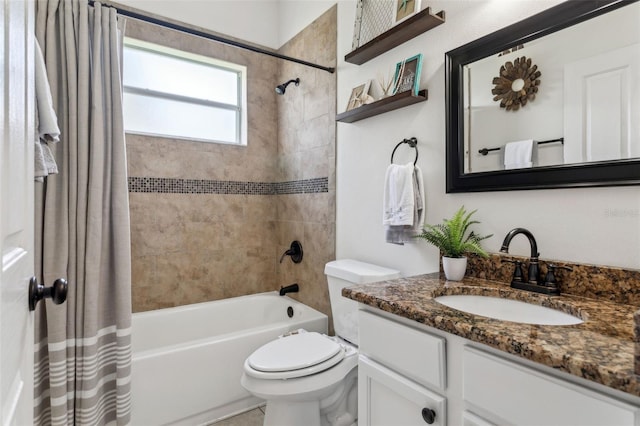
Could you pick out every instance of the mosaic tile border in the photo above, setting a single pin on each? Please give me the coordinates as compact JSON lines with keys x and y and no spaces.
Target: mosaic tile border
{"x":202,"y":186}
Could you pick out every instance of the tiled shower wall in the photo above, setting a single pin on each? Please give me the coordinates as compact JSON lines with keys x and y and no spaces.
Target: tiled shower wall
{"x":210,"y":221}
{"x":306,"y":150}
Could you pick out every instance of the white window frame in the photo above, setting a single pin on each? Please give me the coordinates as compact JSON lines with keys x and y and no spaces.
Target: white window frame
{"x":240,"y":70}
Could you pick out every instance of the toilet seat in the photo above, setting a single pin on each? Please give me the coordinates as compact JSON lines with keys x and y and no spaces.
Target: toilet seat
{"x":294,"y":356}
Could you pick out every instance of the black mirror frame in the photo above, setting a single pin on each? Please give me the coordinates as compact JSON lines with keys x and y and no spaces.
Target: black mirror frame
{"x":605,"y":173}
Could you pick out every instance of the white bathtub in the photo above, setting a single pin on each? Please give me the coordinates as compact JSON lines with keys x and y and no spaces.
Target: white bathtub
{"x":187,"y":361}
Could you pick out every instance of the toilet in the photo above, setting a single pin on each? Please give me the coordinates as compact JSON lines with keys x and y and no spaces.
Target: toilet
{"x":308,"y":378}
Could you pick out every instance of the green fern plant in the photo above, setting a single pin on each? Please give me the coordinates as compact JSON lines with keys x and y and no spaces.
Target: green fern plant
{"x":453,"y":237}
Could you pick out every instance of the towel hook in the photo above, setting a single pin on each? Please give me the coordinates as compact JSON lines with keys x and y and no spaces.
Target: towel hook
{"x":413,"y":143}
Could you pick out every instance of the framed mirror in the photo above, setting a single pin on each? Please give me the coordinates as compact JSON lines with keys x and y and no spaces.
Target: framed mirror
{"x":552,"y":101}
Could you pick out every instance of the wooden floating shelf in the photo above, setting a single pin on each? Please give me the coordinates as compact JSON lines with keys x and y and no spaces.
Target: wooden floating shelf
{"x":419,"y":23}
{"x":383,"y":105}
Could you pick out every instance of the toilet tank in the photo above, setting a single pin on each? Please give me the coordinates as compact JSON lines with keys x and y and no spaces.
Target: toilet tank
{"x":347,"y":272}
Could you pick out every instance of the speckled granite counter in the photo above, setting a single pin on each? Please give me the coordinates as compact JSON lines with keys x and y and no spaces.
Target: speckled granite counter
{"x":601,"y":349}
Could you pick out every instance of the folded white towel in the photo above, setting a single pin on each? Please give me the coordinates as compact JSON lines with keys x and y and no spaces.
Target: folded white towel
{"x":517,"y":155}
{"x":400,"y":234}
{"x":421,"y":203}
{"x":399,"y":198}
{"x":46,"y":121}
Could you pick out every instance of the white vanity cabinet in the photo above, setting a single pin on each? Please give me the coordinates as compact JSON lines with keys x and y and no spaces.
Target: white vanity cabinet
{"x":408,"y":369}
{"x":398,"y":371}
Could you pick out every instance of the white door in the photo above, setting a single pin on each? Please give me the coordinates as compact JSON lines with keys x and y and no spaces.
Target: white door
{"x":601,"y":106}
{"x":16,"y":211}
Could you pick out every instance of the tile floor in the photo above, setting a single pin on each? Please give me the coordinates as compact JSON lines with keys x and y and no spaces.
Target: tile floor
{"x":254,"y":417}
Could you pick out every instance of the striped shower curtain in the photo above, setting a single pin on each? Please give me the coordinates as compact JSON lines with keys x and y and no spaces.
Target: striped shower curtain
{"x":83,"y":347}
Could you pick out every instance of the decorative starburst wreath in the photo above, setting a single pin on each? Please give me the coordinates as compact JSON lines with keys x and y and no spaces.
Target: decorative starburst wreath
{"x":517,"y":84}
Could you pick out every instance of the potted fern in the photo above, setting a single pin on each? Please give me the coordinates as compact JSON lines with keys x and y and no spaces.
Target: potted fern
{"x":455,"y":240}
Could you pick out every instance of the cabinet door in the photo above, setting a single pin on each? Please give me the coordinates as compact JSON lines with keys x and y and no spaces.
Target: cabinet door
{"x":386,"y":398}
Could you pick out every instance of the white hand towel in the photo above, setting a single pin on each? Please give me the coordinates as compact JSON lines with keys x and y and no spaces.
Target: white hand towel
{"x":421,"y":202}
{"x":401,"y":234}
{"x":46,"y":121}
{"x":517,"y":155}
{"x":399,"y":199}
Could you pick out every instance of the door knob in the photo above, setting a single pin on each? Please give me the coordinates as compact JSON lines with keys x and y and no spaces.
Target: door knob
{"x":57,"y":292}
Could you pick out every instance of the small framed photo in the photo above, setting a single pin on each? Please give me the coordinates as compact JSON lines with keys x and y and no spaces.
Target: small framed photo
{"x":357,"y":25}
{"x":359,"y":95}
{"x":404,"y":9}
{"x":407,"y":76}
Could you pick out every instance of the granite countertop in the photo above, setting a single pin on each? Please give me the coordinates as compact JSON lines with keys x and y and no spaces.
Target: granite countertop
{"x":601,"y":349}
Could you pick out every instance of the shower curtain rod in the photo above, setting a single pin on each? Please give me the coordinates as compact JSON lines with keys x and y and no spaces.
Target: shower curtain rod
{"x":210,"y":36}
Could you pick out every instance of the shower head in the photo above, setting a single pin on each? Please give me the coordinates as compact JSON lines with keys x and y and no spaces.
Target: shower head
{"x":281,"y":88}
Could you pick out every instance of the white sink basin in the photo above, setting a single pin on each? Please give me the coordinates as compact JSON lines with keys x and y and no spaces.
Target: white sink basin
{"x":508,"y":310}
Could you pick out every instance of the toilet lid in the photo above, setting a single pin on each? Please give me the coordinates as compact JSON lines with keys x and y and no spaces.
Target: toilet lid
{"x":295,"y":352}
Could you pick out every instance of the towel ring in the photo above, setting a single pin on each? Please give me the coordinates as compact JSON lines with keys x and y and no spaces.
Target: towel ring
{"x":413,"y":143}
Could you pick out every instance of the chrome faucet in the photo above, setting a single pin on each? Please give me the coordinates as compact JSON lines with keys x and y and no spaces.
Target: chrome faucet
{"x":534,"y":269}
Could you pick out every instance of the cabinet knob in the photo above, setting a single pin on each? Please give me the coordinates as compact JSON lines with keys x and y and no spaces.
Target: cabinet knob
{"x":428,"y":415}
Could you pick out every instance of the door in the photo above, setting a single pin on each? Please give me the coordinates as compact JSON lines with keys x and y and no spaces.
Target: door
{"x":16,"y":211}
{"x":601,"y":105}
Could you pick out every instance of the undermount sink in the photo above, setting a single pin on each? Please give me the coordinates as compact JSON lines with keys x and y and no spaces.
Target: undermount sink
{"x":508,"y":310}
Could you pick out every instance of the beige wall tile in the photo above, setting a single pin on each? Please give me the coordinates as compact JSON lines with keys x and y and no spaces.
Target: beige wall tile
{"x":317,"y":103}
{"x":316,"y":132}
{"x":152,"y":239}
{"x":190,"y":248}
{"x":260,"y":207}
{"x":307,"y":150}
{"x":143,"y":271}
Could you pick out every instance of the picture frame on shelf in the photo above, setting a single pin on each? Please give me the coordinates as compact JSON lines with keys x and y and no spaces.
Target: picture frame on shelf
{"x":373,"y":17}
{"x":359,"y":95}
{"x":404,"y":9}
{"x":355,"y":43}
{"x":407,"y":75}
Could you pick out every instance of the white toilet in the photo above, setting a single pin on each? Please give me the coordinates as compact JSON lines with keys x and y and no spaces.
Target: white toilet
{"x":309,"y":378}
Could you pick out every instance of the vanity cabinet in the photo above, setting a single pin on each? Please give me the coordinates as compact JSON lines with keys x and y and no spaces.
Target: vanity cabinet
{"x":400,"y":372}
{"x":406,"y":367}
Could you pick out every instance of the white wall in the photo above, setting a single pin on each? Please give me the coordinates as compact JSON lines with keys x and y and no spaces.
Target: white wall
{"x":255,"y":21}
{"x":295,"y":15}
{"x":269,"y":23}
{"x":593,"y":225}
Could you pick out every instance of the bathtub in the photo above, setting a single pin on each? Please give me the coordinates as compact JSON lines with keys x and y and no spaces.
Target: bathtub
{"x":187,"y":361}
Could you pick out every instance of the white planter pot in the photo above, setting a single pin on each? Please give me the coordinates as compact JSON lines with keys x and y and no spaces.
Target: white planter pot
{"x":454,"y":267}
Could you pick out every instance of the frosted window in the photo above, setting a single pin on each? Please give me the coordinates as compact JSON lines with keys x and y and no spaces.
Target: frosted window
{"x":177,"y":94}
{"x":168,"y":74}
{"x":166,"y":117}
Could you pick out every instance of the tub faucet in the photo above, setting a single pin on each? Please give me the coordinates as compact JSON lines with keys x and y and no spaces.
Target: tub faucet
{"x":534,"y":268}
{"x":293,"y":288}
